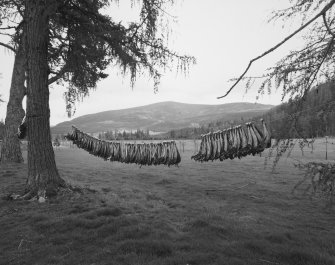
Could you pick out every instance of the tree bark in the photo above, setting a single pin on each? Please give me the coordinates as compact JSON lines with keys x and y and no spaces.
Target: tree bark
{"x":42,"y":171}
{"x":11,"y":151}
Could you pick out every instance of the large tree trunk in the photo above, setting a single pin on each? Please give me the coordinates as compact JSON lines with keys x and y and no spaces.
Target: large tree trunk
{"x":42,"y":171}
{"x":11,"y":151}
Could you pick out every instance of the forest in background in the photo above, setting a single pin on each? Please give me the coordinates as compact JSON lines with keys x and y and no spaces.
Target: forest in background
{"x":311,"y":117}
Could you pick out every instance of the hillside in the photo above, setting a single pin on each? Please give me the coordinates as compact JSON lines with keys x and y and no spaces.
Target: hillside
{"x":313,"y":117}
{"x":161,"y":117}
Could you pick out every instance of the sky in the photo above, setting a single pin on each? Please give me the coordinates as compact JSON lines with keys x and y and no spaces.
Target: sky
{"x":223,"y":36}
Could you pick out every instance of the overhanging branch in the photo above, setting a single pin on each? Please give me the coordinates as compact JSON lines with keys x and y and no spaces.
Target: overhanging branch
{"x":323,"y":11}
{"x":8,"y":47}
{"x":314,"y":75}
{"x":326,"y":24}
{"x":58,"y":75}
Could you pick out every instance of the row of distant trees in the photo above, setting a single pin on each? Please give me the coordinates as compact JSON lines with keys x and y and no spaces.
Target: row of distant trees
{"x":195,"y":132}
{"x":113,"y":135}
{"x":123,"y":135}
{"x":310,"y":117}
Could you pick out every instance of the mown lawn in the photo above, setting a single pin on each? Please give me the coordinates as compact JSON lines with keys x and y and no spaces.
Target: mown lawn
{"x":232,"y":212}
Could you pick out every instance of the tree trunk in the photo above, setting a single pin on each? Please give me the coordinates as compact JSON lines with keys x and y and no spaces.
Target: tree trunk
{"x":11,"y":151}
{"x":42,"y":171}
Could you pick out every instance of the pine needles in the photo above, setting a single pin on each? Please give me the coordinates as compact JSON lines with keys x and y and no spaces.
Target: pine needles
{"x":320,"y":179}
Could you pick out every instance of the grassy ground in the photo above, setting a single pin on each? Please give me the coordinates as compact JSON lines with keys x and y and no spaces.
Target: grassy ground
{"x":231,"y":212}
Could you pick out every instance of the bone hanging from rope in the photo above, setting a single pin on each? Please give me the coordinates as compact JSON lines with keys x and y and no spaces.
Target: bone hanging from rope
{"x":130,"y":153}
{"x":235,"y":142}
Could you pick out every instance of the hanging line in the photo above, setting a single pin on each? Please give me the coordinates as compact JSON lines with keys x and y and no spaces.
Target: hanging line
{"x":165,"y":152}
{"x":235,"y":142}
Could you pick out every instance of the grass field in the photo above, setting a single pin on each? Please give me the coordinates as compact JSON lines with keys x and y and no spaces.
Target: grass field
{"x":231,"y":212}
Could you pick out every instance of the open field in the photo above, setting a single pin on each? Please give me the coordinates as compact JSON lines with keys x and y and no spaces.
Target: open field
{"x":231,"y":212}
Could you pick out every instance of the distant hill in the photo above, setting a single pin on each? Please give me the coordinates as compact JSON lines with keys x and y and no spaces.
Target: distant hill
{"x":161,"y":117}
{"x":312,"y":117}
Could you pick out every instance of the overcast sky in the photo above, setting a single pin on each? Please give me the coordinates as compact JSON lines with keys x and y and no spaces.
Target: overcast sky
{"x":223,"y":36}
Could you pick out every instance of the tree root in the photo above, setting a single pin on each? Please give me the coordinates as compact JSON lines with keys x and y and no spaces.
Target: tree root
{"x":40,"y":195}
{"x":26,"y":196}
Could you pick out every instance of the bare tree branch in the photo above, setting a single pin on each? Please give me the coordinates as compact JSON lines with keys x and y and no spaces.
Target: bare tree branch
{"x":327,"y":26}
{"x":6,"y":34}
{"x":7,"y":28}
{"x":57,"y":75}
{"x":323,"y":11}
{"x":8,"y":47}
{"x":319,"y":66}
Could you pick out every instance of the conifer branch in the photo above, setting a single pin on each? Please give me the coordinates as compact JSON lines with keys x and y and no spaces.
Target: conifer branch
{"x":321,"y":13}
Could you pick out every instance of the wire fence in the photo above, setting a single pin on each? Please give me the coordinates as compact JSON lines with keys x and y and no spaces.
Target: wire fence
{"x":316,"y":148}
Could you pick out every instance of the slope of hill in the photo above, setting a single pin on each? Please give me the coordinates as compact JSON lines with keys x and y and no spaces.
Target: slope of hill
{"x":161,"y":117}
{"x":312,"y":117}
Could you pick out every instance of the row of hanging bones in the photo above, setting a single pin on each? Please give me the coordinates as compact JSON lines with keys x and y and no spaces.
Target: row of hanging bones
{"x":140,"y":153}
{"x":234,"y":142}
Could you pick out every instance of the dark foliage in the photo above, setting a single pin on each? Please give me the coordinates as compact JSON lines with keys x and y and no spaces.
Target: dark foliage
{"x":309,"y":118}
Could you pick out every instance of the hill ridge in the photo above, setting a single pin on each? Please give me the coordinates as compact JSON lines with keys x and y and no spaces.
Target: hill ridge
{"x":161,"y":116}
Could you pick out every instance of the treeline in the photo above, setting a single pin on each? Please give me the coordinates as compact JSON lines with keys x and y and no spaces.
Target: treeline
{"x":123,"y":135}
{"x":312,"y":117}
{"x":195,"y":132}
